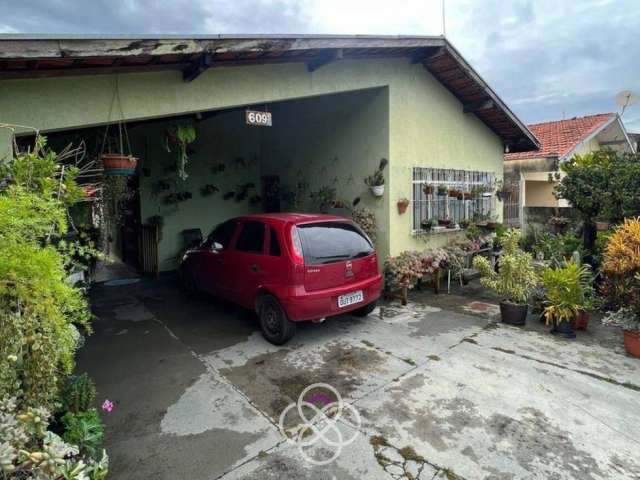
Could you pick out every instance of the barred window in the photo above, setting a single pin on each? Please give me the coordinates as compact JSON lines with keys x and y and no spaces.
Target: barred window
{"x":440,"y":193}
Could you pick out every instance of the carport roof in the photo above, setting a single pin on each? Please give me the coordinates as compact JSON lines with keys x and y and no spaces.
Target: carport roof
{"x":23,"y":56}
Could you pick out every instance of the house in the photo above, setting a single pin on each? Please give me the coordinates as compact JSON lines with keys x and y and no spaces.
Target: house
{"x":281,"y":122}
{"x":526,"y":174}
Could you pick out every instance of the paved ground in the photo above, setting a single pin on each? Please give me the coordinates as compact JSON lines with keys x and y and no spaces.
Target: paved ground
{"x":442,"y":392}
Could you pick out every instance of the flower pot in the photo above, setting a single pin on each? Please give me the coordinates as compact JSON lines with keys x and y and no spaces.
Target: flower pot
{"x":467,"y":196}
{"x":581,"y":321}
{"x":377,"y":190}
{"x":118,"y":164}
{"x":444,"y":222}
{"x":427,"y":189}
{"x":602,"y":226}
{"x":402,"y":206}
{"x":632,"y":342}
{"x":491,"y":225}
{"x":563,"y":328}
{"x":502,"y":195}
{"x":514,"y":313}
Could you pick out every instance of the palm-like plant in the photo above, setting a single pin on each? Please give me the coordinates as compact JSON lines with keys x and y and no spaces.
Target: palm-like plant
{"x":564,"y":291}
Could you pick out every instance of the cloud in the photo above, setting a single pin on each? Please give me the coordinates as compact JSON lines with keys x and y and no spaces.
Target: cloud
{"x":546,"y":58}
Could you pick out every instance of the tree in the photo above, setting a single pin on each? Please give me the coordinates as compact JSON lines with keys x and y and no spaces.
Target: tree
{"x":600,"y":185}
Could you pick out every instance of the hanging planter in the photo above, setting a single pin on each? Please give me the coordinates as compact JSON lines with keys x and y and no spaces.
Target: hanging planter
{"x":402,"y":205}
{"x":118,"y":164}
{"x":376,"y":181}
{"x":115,"y":161}
{"x":377,"y":190}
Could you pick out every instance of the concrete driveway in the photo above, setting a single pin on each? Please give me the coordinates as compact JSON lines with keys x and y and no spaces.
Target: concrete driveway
{"x":441,"y":391}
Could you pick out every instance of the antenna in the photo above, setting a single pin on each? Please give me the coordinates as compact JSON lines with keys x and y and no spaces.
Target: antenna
{"x":444,"y":23}
{"x":625,"y":99}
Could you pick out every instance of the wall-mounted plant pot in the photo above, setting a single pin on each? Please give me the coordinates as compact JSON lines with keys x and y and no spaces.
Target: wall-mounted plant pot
{"x":377,"y":190}
{"x":502,"y":195}
{"x":402,"y":206}
{"x":117,"y":164}
{"x":632,"y":342}
{"x":513,"y":313}
{"x":427,"y":189}
{"x":602,"y":226}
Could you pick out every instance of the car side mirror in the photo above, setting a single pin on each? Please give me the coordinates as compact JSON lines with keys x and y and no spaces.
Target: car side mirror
{"x":216,"y":246}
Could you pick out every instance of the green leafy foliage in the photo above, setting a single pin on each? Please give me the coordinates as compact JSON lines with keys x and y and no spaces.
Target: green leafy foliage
{"x":377,"y":178}
{"x":28,"y":449}
{"x":78,"y":394}
{"x":516,"y":279}
{"x":601,"y":185}
{"x":39,"y":311}
{"x":85,"y":430}
{"x":564,"y":291}
{"x":557,"y":247}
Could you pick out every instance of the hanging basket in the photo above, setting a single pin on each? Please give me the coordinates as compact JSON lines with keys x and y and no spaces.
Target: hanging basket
{"x":118,"y":164}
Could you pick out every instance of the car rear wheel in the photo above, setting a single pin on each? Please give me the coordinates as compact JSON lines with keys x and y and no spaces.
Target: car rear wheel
{"x":275,"y":325}
{"x":366,"y":310}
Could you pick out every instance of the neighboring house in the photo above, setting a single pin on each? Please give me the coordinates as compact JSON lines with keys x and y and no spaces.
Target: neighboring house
{"x":526,"y":174}
{"x":338,"y":103}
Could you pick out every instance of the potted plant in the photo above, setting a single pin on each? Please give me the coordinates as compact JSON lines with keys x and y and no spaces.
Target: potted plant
{"x":621,"y":281}
{"x":324,"y":198}
{"x":564,"y":296}
{"x":464,"y":223}
{"x":442,"y":190}
{"x":502,"y":193}
{"x":492,"y":223}
{"x":467,"y":195}
{"x":118,"y":164}
{"x":427,"y":189}
{"x":515,"y":280}
{"x":444,"y":221}
{"x":428,"y":223}
{"x":182,"y":136}
{"x":366,"y":220}
{"x":376,"y":181}
{"x":403,"y":203}
{"x":602,"y":224}
{"x":627,"y":319}
{"x":558,"y":223}
{"x":454,"y":192}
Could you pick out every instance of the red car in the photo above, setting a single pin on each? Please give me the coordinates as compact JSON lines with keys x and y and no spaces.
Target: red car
{"x":288,"y":267}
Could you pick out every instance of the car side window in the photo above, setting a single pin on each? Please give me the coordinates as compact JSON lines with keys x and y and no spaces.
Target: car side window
{"x":222,"y":235}
{"x":274,"y":245}
{"x":251,"y":239}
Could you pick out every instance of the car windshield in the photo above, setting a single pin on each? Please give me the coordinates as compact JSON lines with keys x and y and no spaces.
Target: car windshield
{"x":329,"y":242}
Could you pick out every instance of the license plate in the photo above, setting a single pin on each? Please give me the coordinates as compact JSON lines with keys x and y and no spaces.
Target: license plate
{"x":350,"y":299}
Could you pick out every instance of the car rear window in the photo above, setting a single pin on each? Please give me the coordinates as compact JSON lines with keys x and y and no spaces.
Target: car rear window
{"x":329,"y":242}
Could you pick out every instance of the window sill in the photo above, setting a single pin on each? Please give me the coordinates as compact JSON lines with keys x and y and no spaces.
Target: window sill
{"x":437,"y":231}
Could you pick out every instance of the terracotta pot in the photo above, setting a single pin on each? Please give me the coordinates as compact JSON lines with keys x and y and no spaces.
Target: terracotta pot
{"x":402,"y":206}
{"x":118,"y":164}
{"x":632,"y":342}
{"x":427,"y":189}
{"x":581,"y":321}
{"x":602,"y":226}
{"x":513,"y":313}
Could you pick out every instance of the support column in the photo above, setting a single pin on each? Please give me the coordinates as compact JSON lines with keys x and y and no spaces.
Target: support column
{"x":6,"y":144}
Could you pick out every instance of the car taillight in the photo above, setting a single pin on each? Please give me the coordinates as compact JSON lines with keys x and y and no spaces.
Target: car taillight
{"x":296,"y":246}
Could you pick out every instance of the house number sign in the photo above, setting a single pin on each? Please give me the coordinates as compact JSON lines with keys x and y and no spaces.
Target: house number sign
{"x":257,"y":118}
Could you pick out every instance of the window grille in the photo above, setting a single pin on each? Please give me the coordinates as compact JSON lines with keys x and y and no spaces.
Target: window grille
{"x":434,"y":206}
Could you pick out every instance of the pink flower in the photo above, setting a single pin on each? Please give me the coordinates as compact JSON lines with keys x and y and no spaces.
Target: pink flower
{"x":107,"y":406}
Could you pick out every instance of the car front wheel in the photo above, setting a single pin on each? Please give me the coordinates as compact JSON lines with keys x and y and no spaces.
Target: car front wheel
{"x":275,"y":325}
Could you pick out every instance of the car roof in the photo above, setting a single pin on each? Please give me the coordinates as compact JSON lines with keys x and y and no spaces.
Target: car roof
{"x":295,"y":218}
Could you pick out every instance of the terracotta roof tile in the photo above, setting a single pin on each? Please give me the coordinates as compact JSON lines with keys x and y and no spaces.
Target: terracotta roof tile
{"x":560,"y":137}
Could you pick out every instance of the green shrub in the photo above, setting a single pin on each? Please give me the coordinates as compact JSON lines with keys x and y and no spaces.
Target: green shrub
{"x":85,"y":430}
{"x":78,"y":394}
{"x":516,"y":279}
{"x":39,"y":311}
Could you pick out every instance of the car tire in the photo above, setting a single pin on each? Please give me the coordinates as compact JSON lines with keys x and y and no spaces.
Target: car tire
{"x":276,"y":326}
{"x":366,"y":310}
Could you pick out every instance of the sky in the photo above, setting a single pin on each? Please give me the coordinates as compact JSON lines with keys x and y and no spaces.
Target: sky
{"x":547,"y":59}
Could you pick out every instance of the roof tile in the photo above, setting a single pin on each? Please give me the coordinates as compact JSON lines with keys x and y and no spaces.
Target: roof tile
{"x":560,"y":137}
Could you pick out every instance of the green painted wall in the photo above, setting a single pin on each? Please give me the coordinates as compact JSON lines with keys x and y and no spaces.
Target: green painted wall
{"x":429,"y":129}
{"x":335,"y":141}
{"x":426,"y":125}
{"x":221,"y":139}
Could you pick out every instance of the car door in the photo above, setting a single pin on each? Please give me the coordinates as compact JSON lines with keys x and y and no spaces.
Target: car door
{"x":214,"y":258}
{"x":247,"y":260}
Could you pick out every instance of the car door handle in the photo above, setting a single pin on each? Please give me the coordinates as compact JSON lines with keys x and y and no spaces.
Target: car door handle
{"x":255,"y":268}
